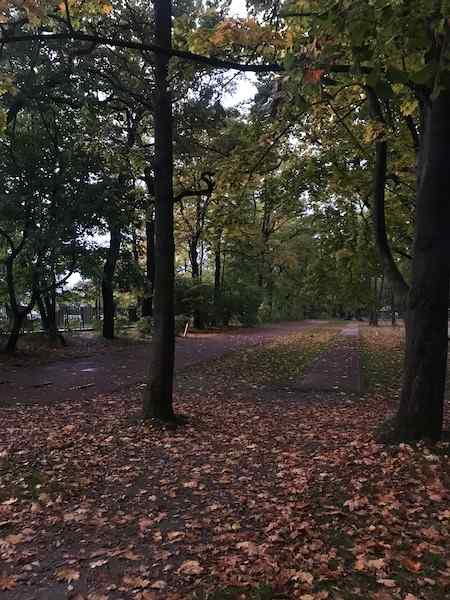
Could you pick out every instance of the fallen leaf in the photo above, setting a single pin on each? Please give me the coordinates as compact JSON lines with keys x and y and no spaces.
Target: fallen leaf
{"x":14,"y":539}
{"x":133,"y":582}
{"x":159,"y":585}
{"x":67,"y":574}
{"x":249,"y":547}
{"x":7,"y":582}
{"x":389,"y":583}
{"x":190,"y":567}
{"x":411,"y":565}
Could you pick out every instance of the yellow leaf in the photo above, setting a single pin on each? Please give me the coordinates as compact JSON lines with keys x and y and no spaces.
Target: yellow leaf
{"x":409,"y":107}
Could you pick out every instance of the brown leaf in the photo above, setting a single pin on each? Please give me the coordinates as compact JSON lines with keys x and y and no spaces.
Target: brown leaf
{"x":411,"y":565}
{"x":14,"y":539}
{"x":304,"y":577}
{"x":132,"y":582}
{"x":7,"y":582}
{"x":250,"y":547}
{"x":67,"y":574}
{"x":377,"y":564}
{"x":190,"y":567}
{"x":175,"y":535}
{"x":389,"y":583}
{"x":159,"y":585}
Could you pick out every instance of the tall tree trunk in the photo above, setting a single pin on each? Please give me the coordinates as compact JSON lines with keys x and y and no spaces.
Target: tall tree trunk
{"x":147,"y":304}
{"x":196,"y":278}
{"x":217,"y":276}
{"x":107,"y":282}
{"x":158,"y":396}
{"x":18,"y":312}
{"x":420,"y":414}
{"x":390,"y":268}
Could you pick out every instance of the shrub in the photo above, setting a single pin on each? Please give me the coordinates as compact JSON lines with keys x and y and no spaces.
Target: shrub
{"x":145,"y":326}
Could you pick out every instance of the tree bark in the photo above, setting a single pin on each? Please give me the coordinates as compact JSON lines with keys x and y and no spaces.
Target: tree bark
{"x":147,"y":304}
{"x":420,"y":414}
{"x":217,"y":275}
{"x":47,"y":308}
{"x":19,"y":313}
{"x":158,"y":396}
{"x":388,"y":263}
{"x":107,"y":282}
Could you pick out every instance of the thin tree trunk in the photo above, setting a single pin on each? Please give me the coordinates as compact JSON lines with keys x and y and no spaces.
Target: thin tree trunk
{"x":393,"y":313}
{"x":388,"y":264}
{"x":420,"y":414}
{"x":158,"y":396}
{"x":217,"y":277}
{"x":195,"y":272}
{"x":107,"y":282}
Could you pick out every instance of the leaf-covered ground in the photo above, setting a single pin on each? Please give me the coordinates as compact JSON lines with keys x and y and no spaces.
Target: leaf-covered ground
{"x":263,"y":494}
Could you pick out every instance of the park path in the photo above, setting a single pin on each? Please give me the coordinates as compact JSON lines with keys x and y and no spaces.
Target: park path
{"x":83,"y":378}
{"x":338,"y":368}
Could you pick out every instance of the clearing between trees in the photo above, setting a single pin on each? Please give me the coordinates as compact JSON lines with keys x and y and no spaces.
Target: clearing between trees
{"x":268,"y":491}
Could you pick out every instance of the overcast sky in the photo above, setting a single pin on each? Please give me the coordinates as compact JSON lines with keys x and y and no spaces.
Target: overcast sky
{"x":245,"y":90}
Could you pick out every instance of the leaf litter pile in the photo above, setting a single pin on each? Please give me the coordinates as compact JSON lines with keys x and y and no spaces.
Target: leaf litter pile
{"x":260,"y":495}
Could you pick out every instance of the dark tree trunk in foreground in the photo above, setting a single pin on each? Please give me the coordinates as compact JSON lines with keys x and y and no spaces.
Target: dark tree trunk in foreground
{"x":107,"y":282}
{"x":420,"y":414}
{"x":158,"y":393}
{"x":147,"y":303}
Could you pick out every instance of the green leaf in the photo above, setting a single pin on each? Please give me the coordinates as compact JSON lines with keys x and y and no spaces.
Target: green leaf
{"x":424,"y":75}
{"x":384,"y":90}
{"x":396,"y":75}
{"x":289,"y":61}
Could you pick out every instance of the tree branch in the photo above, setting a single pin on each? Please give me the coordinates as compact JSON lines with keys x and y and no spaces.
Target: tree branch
{"x":210,"y":185}
{"x":211,"y":61}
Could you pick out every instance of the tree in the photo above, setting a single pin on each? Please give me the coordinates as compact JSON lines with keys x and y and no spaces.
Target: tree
{"x":158,"y":396}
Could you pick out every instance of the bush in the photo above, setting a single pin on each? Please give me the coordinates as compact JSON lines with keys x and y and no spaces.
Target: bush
{"x":145,"y":326}
{"x":240,"y":303}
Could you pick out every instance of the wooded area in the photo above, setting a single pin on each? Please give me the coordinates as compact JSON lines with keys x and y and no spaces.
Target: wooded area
{"x":138,"y":190}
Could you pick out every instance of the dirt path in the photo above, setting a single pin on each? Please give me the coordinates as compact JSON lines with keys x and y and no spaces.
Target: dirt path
{"x":105,"y":373}
{"x":338,"y":369}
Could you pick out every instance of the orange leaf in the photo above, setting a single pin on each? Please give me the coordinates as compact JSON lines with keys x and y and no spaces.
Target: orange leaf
{"x":313,"y":75}
{"x":7,"y":582}
{"x":411,"y":565}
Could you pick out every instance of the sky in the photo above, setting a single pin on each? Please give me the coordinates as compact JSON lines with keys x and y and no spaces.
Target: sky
{"x":244,"y":90}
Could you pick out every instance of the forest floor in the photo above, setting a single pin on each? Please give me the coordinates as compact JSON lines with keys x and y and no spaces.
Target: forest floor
{"x":90,"y":365}
{"x":276,"y":488}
